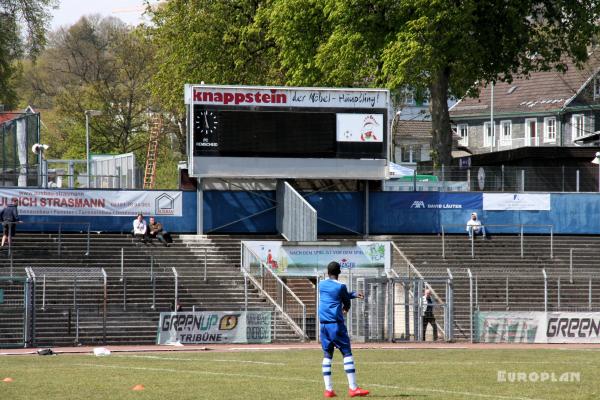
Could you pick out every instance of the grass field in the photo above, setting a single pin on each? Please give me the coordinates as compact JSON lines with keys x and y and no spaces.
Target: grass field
{"x":295,"y":374}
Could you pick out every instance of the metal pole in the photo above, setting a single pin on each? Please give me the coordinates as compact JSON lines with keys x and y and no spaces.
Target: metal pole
{"x":245,"y":292}
{"x":470,"y":301}
{"x":124,"y":293}
{"x":44,"y":294}
{"x":153,"y":306}
{"x":521,"y":240}
{"x":472,"y":244}
{"x":176,"y":275}
{"x":77,"y":325}
{"x":122,"y":261}
{"x":87,"y":253}
{"x":590,"y":294}
{"x":522,"y":180}
{"x":551,"y":241}
{"x":558,"y":288}
{"x":571,"y":265}
{"x":507,"y":292}
{"x":577,"y":181}
{"x":87,"y":149}
{"x":105,"y":304}
{"x":151,"y":266}
{"x":11,"y":262}
{"x":205,"y":262}
{"x":75,"y":293}
{"x":502,"y":171}
{"x":443,"y":243}
{"x":59,"y":238}
{"x":545,"y":290}
{"x":476,"y":292}
{"x":563,"y":178}
{"x":367,"y":209}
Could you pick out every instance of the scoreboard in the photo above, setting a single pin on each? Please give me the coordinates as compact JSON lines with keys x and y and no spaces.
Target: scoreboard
{"x":283,"y":132}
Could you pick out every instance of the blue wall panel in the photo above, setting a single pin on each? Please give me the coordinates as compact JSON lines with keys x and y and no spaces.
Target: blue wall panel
{"x":223,"y":208}
{"x":340,"y":213}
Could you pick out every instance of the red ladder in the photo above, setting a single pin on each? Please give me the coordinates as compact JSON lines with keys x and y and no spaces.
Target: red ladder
{"x":156,"y":125}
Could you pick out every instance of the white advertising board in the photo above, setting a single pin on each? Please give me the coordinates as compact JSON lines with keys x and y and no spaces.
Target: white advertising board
{"x":94,"y":202}
{"x":516,"y":202}
{"x":361,"y":128}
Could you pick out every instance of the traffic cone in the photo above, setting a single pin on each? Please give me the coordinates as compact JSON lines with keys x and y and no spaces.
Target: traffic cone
{"x":138,"y":388}
{"x":7,"y":379}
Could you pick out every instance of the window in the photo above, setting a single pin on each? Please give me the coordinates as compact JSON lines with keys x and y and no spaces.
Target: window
{"x":577,"y":126}
{"x":505,"y":133}
{"x":596,"y":87}
{"x":410,"y":153}
{"x":531,"y":134}
{"x":488,"y":134}
{"x":463,"y":131}
{"x":550,"y":129}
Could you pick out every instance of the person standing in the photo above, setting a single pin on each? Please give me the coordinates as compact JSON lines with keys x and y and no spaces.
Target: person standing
{"x":9,"y":217}
{"x":140,"y":229}
{"x":334,"y":302}
{"x":428,"y":317}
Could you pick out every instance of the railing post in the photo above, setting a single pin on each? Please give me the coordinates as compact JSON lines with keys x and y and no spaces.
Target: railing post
{"x":502,"y":172}
{"x":59,"y":239}
{"x":124,"y":293}
{"x":205,"y":262}
{"x":176,"y":276}
{"x":77,"y":325}
{"x":75,"y":293}
{"x":104,"y":304}
{"x":522,"y":180}
{"x":476,"y":292}
{"x":246,"y":292}
{"x":577,"y":181}
{"x":153,"y":306}
{"x":571,"y":265}
{"x":470,"y":302}
{"x":304,"y":318}
{"x":122,"y":261}
{"x":590,"y":294}
{"x":87,"y":253}
{"x":443,"y":243}
{"x":558,"y":288}
{"x":44,"y":294}
{"x":507,"y":293}
{"x":152,"y":267}
{"x":552,"y":241}
{"x":545,"y":290}
{"x":472,"y":245}
{"x":521,"y":240}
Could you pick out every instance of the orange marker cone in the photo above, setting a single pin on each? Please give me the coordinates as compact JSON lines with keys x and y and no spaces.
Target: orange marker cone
{"x":7,"y":380}
{"x":138,"y":388}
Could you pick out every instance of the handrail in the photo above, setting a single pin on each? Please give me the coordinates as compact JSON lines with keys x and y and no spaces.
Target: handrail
{"x":444,"y":226}
{"x":176,"y":277}
{"x":264,"y":266}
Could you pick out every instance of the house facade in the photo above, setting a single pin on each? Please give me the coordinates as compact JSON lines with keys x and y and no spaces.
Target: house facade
{"x":547,"y":109}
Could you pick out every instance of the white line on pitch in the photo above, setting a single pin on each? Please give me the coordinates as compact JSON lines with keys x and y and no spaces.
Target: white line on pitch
{"x":276,"y":378}
{"x":200,"y":360}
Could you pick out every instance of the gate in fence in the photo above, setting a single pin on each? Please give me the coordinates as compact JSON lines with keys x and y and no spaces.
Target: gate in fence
{"x":16,"y":311}
{"x":393,"y":308}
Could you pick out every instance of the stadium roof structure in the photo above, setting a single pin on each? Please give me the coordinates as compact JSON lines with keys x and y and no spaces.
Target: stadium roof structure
{"x":540,"y":92}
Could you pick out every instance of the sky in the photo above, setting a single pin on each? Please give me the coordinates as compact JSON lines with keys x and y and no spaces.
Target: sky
{"x":69,"y":11}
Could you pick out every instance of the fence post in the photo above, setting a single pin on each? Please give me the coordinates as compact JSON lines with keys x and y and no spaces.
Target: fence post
{"x":176,"y":276}
{"x":124,"y":293}
{"x":245,"y":292}
{"x":443,"y":243}
{"x":521,"y":240}
{"x":44,"y":294}
{"x":205,"y":262}
{"x":476,"y":292}
{"x":75,"y":293}
{"x":470,"y":302}
{"x":522,"y":180}
{"x":77,"y":325}
{"x":577,"y":181}
{"x":571,"y":265}
{"x":153,"y":306}
{"x":104,"y":305}
{"x":545,"y":290}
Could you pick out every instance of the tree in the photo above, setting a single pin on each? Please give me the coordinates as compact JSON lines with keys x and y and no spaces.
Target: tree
{"x":446,"y":46}
{"x":18,"y":19}
{"x":217,"y":42}
{"x":96,"y":64}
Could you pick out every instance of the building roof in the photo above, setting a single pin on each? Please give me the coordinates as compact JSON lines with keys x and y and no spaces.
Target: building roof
{"x":541,"y":92}
{"x":415,"y":129}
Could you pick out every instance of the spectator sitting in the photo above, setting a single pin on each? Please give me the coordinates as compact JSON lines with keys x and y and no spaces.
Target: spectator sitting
{"x":140,"y":229}
{"x":155,"y":230}
{"x":474,"y":226}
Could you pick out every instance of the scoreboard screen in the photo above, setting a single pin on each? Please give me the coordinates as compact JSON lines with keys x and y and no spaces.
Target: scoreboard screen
{"x":284,"y":132}
{"x":303,"y":134}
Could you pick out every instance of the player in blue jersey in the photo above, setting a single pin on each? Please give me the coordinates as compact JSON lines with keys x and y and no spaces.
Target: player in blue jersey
{"x":334,"y":302}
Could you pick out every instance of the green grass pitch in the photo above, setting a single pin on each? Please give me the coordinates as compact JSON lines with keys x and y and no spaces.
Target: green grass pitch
{"x":296,"y":374}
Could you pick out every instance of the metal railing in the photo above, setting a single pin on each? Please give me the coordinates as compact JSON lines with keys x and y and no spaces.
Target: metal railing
{"x":292,"y":309}
{"x":485,"y":226}
{"x":296,"y":218}
{"x":59,"y":240}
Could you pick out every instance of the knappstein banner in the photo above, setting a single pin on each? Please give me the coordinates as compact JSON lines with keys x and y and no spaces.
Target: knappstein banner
{"x":214,"y":327}
{"x":537,"y":327}
{"x":94,"y":202}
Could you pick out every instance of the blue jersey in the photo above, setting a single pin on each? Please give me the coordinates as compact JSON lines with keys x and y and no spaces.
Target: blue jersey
{"x":333,"y":299}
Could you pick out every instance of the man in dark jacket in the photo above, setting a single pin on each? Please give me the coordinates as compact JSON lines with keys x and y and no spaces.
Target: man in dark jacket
{"x":155,"y":230}
{"x":9,"y":217}
{"x":428,"y":317}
